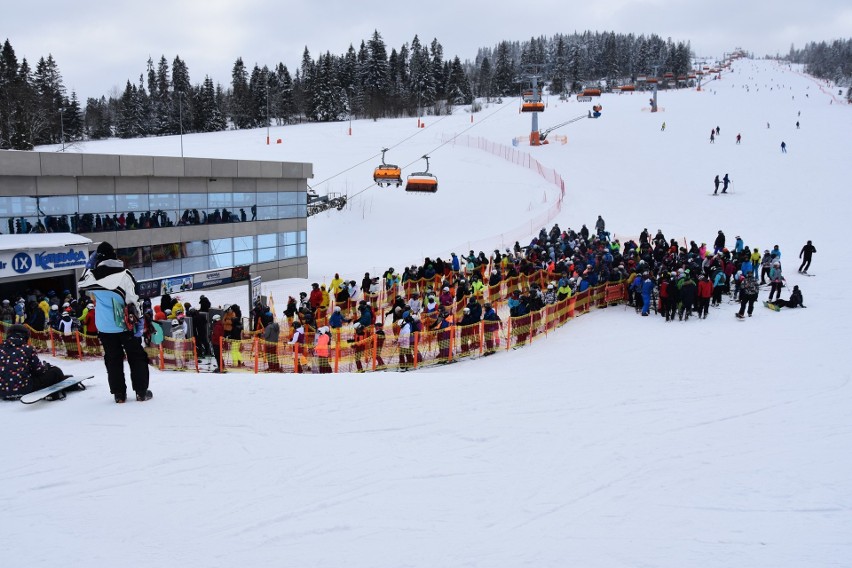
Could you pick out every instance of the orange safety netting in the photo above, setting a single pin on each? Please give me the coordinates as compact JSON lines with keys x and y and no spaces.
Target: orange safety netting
{"x":387,"y":350}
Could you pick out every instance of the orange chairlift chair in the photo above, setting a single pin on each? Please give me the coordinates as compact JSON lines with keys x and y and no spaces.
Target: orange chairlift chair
{"x":387,"y":174}
{"x":422,"y":182}
{"x":531,"y":102}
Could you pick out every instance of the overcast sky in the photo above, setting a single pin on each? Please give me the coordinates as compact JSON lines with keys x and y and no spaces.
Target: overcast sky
{"x":100,"y":44}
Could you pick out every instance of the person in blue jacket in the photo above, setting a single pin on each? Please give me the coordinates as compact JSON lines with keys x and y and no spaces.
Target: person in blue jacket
{"x":366,"y":318}
{"x":455,"y":263}
{"x":336,"y":320}
{"x":647,"y":289}
{"x":113,"y":288}
{"x":636,"y":292}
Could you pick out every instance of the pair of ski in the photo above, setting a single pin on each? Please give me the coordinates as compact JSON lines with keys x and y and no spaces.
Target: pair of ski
{"x":56,"y":391}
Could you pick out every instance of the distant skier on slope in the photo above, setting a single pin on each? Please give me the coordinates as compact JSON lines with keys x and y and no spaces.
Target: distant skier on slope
{"x":807,"y":250}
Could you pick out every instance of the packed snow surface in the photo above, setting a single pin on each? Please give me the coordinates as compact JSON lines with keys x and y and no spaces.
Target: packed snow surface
{"x":617,"y":441}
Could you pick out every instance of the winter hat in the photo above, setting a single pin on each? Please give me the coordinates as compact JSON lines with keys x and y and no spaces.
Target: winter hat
{"x":175,"y":323}
{"x":18,"y":330}
{"x":105,"y":252}
{"x":217,"y":317}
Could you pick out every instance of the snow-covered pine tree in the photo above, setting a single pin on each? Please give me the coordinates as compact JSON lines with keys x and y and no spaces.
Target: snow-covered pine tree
{"x":284,"y":94}
{"x":166,"y":120}
{"x":485,"y":79}
{"x":73,"y":118}
{"x":208,"y":108}
{"x":421,"y":84}
{"x":50,"y":93}
{"x":374,"y":77}
{"x":458,"y":86}
{"x":559,"y":71}
{"x":504,"y":70}
{"x":439,"y":77}
{"x":329,"y":96}
{"x":240,"y":108}
{"x":97,"y":119}
{"x":183,"y":104}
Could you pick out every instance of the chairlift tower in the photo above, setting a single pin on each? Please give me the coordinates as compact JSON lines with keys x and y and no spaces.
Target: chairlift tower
{"x":537,"y":97}
{"x":531,"y":100}
{"x":656,"y":83}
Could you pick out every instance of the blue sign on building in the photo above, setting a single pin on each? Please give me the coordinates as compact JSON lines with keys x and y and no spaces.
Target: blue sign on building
{"x":22,"y":262}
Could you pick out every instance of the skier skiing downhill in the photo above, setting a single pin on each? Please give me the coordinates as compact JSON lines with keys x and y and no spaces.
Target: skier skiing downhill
{"x":725,"y":181}
{"x":716,"y":183}
{"x":807,"y":250}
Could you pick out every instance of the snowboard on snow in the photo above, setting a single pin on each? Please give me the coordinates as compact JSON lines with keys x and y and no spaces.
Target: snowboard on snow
{"x":772,"y":306}
{"x":68,"y":383}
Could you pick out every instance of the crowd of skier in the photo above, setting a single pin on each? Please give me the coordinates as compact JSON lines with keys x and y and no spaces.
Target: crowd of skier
{"x":673,"y":280}
{"x":660,"y":275}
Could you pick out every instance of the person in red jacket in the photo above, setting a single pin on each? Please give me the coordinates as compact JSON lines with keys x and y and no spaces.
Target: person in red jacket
{"x":215,"y":338}
{"x":315,"y":299}
{"x":89,"y":323}
{"x":705,"y":291}
{"x":730,"y":270}
{"x":664,"y":296}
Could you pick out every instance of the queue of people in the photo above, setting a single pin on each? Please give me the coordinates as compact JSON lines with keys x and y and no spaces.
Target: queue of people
{"x":436,"y":295}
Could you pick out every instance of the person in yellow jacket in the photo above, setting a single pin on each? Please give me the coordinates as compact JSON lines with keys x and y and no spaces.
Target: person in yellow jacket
{"x":334,"y":287}
{"x":477,"y":288}
{"x":755,"y":260}
{"x":177,"y":309}
{"x":322,"y":350}
{"x":45,"y":307}
{"x":324,"y":302}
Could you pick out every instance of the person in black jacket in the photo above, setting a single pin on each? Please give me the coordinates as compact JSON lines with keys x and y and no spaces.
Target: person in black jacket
{"x":688,"y":291}
{"x":199,"y":332}
{"x":21,"y":371}
{"x":795,"y":301}
{"x":719,"y":243}
{"x":806,"y":252}
{"x":36,"y":318}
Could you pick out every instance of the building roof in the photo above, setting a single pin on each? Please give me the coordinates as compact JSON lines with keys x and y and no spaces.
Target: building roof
{"x":32,"y":241}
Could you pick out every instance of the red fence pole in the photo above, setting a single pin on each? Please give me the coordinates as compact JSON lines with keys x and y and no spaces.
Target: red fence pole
{"x":256,"y":349}
{"x":337,"y":350}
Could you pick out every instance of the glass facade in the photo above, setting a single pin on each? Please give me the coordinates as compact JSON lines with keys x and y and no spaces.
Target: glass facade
{"x":158,"y":261}
{"x":114,"y":212}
